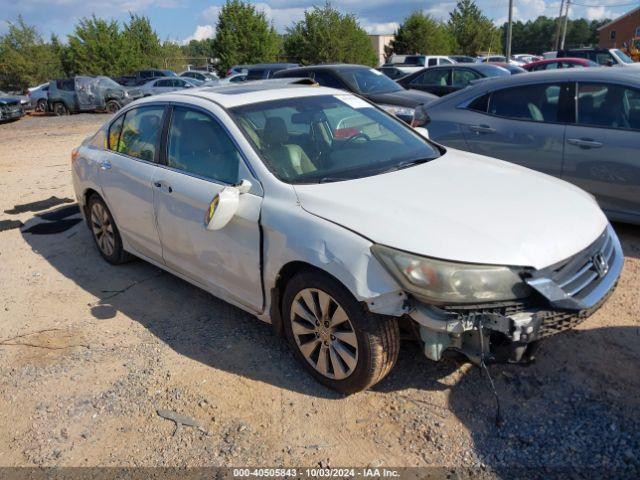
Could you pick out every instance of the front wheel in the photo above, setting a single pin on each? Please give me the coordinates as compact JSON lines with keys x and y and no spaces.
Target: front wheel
{"x":60,"y":109}
{"x":338,"y":342}
{"x":112,"y":106}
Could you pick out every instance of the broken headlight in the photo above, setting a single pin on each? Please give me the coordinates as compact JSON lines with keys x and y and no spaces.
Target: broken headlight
{"x":441,"y":282}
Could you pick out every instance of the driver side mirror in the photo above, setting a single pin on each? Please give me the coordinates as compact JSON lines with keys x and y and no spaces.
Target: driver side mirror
{"x":224,"y":205}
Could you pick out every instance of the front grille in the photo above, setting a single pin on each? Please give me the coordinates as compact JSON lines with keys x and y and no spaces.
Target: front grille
{"x":578,"y":277}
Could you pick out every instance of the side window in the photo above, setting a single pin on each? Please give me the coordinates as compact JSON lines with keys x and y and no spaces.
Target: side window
{"x":538,"y":103}
{"x":146,"y":74}
{"x":327,"y":80}
{"x":164,"y":83}
{"x":198,"y":145}
{"x":445,"y":61}
{"x":141,"y":132}
{"x":114,"y":133}
{"x":439,"y":76}
{"x":480,"y":104}
{"x":433,"y":62}
{"x":463,"y":77}
{"x":256,"y":74}
{"x":607,"y":105}
{"x":551,"y":66}
{"x":68,"y":85}
{"x":604,"y":58}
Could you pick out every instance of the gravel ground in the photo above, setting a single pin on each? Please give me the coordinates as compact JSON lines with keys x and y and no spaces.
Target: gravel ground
{"x":89,"y":353}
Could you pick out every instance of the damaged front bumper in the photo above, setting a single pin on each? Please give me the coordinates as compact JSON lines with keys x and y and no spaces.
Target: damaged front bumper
{"x":565,"y":295}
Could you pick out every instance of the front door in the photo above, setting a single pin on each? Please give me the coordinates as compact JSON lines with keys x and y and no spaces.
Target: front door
{"x":201,"y":159}
{"x":523,"y":125}
{"x":601,"y":150}
{"x":127,"y":168}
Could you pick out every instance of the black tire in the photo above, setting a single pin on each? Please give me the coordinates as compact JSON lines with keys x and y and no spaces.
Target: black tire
{"x":378,"y":337}
{"x":41,"y":105}
{"x":60,"y":109}
{"x":113,"y":106}
{"x":116,"y":254}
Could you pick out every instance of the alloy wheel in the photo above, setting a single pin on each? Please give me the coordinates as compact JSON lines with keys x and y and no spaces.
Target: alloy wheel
{"x":324,"y":334}
{"x":102,"y":229}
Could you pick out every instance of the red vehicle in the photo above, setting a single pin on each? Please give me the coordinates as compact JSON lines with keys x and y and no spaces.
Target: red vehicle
{"x":554,"y":63}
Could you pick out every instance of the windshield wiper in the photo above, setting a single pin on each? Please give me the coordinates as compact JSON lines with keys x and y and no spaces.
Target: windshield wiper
{"x":406,"y":164}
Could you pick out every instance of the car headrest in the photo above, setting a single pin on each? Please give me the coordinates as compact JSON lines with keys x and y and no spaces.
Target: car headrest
{"x":275,"y":131}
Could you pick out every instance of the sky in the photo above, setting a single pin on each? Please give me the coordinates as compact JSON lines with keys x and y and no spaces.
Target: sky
{"x":182,"y":20}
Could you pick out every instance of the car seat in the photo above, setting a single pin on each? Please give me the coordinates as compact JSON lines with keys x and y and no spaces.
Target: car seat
{"x":288,"y":160}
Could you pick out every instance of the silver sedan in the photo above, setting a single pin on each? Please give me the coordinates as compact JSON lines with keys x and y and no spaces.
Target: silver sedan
{"x":166,"y":84}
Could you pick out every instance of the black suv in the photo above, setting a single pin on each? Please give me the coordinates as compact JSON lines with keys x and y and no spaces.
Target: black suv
{"x":366,"y":82}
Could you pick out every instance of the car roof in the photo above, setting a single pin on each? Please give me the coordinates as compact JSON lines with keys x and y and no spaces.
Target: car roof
{"x":233,"y":95}
{"x":271,"y":65}
{"x":560,"y":59}
{"x":337,"y":66}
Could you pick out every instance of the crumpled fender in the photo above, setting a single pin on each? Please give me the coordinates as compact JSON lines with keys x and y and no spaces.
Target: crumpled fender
{"x":332,"y":248}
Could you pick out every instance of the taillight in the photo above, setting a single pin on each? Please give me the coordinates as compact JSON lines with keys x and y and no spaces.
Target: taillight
{"x":74,"y":155}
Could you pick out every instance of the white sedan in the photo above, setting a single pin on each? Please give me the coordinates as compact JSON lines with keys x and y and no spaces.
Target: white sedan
{"x":320,"y":213}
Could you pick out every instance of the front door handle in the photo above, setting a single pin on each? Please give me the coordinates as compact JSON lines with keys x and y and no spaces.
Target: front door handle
{"x":482,"y":129}
{"x":585,"y":143}
{"x":105,"y":164}
{"x":158,"y":184}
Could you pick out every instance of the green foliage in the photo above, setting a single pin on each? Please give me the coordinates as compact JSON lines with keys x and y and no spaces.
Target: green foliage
{"x":538,"y":36}
{"x":142,"y":48}
{"x":96,"y":48}
{"x":326,"y":36}
{"x":422,"y":34}
{"x":25,"y":59}
{"x":472,"y":31}
{"x":243,"y":35}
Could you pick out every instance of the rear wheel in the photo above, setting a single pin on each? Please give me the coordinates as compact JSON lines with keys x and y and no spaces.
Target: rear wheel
{"x":60,"y":109}
{"x":41,"y":105}
{"x":105,"y":232}
{"x":340,"y":344}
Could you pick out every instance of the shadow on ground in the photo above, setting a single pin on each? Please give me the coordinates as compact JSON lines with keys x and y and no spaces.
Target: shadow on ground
{"x":576,"y":405}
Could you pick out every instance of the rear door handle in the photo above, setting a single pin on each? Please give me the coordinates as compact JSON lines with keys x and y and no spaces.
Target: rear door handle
{"x":482,"y":129}
{"x":105,"y":164}
{"x":584,"y":143}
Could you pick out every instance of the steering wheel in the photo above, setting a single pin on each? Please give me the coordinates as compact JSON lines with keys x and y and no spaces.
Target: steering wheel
{"x":359,"y":135}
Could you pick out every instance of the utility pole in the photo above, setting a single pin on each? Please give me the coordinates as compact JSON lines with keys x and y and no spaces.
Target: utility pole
{"x":564,"y":29}
{"x":509,"y":27}
{"x":559,"y":26}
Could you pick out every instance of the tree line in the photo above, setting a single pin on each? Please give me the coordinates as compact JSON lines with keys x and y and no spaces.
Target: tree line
{"x":244,"y":35}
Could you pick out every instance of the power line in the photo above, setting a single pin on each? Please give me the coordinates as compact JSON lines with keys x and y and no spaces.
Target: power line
{"x":607,"y":5}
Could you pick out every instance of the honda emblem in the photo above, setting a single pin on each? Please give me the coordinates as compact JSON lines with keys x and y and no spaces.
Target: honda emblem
{"x":600,"y":264}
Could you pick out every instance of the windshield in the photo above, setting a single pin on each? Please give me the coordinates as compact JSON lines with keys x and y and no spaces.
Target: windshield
{"x":107,"y":82}
{"x":624,"y":58}
{"x":329,"y":138}
{"x":368,"y":81}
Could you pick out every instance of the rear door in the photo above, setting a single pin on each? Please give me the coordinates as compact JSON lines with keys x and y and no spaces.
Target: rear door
{"x":126,"y":173}
{"x":201,"y":159}
{"x":602,"y":147}
{"x":523,"y":125}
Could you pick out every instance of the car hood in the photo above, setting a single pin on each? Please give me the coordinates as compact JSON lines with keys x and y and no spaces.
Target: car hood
{"x":631,"y":65}
{"x":402,"y":98}
{"x":9,"y":100}
{"x":464,"y":207}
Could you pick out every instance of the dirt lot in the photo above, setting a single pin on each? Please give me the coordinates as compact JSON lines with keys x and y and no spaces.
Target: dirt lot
{"x":90,"y":352}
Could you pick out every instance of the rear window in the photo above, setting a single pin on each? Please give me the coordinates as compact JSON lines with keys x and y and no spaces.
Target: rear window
{"x":141,"y":132}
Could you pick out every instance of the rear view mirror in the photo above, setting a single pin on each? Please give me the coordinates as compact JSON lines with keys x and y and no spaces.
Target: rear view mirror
{"x":224,"y":205}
